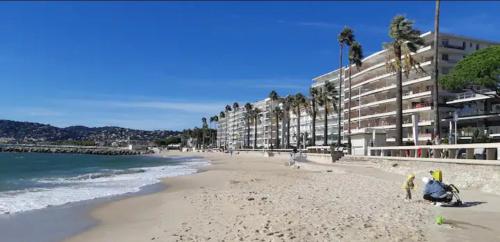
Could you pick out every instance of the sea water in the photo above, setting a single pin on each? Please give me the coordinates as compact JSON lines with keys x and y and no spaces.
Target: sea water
{"x":31,"y":181}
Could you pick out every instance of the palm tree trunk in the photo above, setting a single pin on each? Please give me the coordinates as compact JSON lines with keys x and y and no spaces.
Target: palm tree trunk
{"x":349,"y":144}
{"x":283,"y":129}
{"x":232,"y":132}
{"x":325,"y":132}
{"x":288,"y":130}
{"x":248,"y":132}
{"x":339,"y":139}
{"x":225,"y":143}
{"x":203,"y":139}
{"x":399,"y":98}
{"x":255,"y":133}
{"x":435,"y":88}
{"x":277,"y":131}
{"x":313,"y":128}
{"x":298,"y":127}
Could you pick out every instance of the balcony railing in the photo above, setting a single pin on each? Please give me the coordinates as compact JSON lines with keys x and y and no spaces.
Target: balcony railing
{"x":450,"y":46}
{"x":471,"y":94}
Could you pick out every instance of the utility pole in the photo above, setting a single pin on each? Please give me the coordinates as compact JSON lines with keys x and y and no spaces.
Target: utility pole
{"x":435,"y":89}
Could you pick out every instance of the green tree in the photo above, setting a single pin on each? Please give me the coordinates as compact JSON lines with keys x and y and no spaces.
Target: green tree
{"x":328,"y":95}
{"x":355,"y":58}
{"x":214,"y":119}
{"x":255,"y":114}
{"x":477,"y":71}
{"x":405,"y":40}
{"x":345,"y":37}
{"x":314,"y":93}
{"x":298,"y":102}
{"x":169,"y":140}
{"x":287,"y":105}
{"x":273,"y":95}
{"x":278,"y":115}
{"x":248,"y":117}
{"x":228,"y":109}
{"x":204,"y":127}
{"x":236,"y":106}
{"x":222,"y":117}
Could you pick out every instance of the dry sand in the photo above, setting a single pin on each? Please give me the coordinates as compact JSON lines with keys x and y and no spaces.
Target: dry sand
{"x":247,"y":198}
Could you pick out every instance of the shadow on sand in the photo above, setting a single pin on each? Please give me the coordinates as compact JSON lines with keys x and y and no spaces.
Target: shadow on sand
{"x":466,"y":204}
{"x":464,"y":225}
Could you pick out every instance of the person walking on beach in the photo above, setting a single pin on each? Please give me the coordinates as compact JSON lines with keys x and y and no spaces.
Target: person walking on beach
{"x":409,"y":185}
{"x":293,"y":157}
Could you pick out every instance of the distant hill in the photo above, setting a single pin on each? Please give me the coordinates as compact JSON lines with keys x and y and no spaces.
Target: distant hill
{"x":27,"y":132}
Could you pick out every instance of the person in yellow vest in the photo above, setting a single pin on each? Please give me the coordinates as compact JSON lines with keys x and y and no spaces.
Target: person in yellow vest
{"x":409,"y":185}
{"x":437,"y":175}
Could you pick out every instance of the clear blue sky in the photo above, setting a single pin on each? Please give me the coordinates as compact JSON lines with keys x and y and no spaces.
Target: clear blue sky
{"x":164,"y":65}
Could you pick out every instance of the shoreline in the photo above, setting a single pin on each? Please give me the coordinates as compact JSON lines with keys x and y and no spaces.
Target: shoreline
{"x":68,"y":219}
{"x":248,"y":197}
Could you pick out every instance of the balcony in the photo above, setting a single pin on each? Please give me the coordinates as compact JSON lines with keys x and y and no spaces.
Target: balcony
{"x":450,"y":46}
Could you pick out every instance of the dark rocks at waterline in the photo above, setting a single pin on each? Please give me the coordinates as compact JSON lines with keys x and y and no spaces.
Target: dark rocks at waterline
{"x":79,"y":150}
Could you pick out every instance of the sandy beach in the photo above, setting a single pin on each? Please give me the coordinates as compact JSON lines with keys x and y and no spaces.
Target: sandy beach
{"x":254,"y":198}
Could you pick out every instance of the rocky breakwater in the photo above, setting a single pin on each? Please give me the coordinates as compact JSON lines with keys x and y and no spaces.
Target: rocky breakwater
{"x":73,"y":149}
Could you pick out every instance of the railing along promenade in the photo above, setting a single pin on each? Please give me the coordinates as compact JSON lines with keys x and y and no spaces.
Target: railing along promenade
{"x":319,"y":154}
{"x":479,"y":153}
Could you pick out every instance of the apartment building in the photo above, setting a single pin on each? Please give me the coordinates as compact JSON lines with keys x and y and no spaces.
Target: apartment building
{"x":372,"y":101}
{"x":475,"y":114}
{"x":237,"y":130}
{"x":374,"y":89}
{"x":333,"y":116}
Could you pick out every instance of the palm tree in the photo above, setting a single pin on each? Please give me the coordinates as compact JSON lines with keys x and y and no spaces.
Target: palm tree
{"x":228,"y":109}
{"x":314,"y":92}
{"x":248,"y":116}
{"x":222,"y":115}
{"x":287,"y":105}
{"x":278,"y":114}
{"x":211,"y":119}
{"x":273,"y":95}
{"x":298,"y":101}
{"x":327,"y":95}
{"x":405,"y":40}
{"x":435,"y":94}
{"x":236,"y":106}
{"x":215,"y":119}
{"x":355,"y":57}
{"x":255,"y":114}
{"x":345,"y":37}
{"x":197,"y":134}
{"x":204,"y":127}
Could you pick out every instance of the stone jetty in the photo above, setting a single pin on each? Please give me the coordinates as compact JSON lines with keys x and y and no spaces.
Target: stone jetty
{"x":92,"y":150}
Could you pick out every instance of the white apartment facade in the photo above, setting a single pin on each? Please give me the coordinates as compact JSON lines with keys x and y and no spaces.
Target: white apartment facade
{"x":333,"y":116}
{"x":373,"y":102}
{"x":374,"y":89}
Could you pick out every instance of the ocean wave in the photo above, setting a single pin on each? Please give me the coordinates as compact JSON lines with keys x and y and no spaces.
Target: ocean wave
{"x":92,"y":185}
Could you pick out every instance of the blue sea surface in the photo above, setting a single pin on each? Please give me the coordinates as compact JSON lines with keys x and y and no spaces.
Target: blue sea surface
{"x":36,"y":180}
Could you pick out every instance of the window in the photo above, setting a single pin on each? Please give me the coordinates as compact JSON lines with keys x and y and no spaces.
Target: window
{"x":444,"y":57}
{"x":470,"y":44}
{"x":444,"y":42}
{"x":477,"y":46}
{"x":463,"y":45}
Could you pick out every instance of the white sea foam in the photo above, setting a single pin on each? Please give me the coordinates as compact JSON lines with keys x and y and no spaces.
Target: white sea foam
{"x":91,"y":186}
